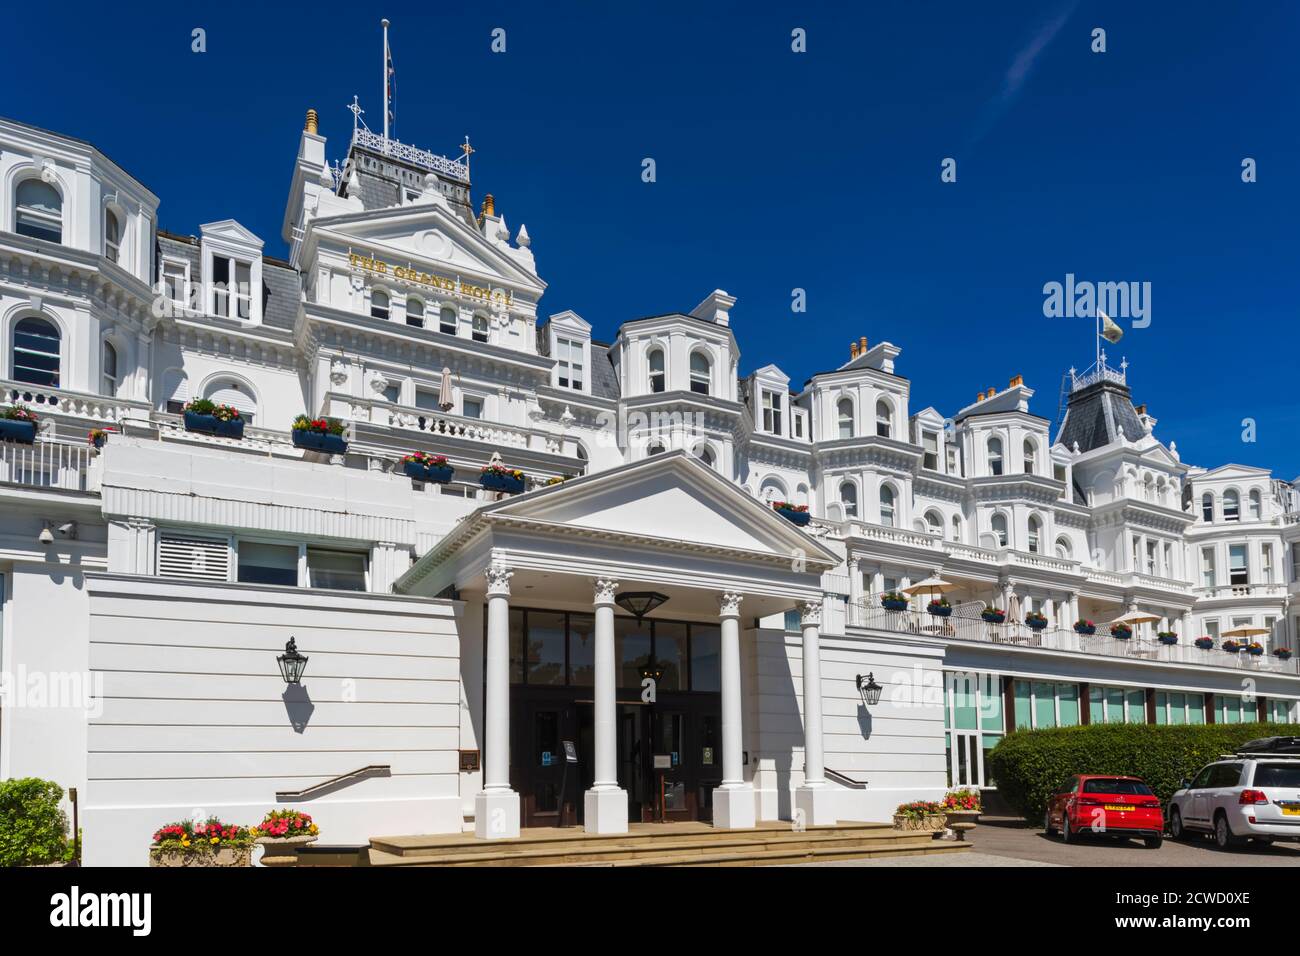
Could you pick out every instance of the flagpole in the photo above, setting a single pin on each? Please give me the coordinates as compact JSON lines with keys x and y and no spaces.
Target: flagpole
{"x":385,"y":76}
{"x":1098,"y":365}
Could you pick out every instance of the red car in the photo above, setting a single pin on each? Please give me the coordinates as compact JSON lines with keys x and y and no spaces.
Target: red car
{"x":1108,"y":805}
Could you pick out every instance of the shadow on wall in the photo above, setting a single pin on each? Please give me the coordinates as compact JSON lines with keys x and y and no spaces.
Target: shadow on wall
{"x":298,"y":705}
{"x":864,"y":721}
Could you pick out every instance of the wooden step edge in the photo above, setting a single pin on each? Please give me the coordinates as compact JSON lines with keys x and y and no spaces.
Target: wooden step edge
{"x":788,"y":856}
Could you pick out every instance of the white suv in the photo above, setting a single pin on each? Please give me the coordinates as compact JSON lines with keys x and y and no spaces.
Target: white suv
{"x":1254,"y":794}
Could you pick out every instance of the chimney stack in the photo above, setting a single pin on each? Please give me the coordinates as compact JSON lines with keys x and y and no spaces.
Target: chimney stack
{"x":1141,"y":409}
{"x":992,"y":391}
{"x":489,"y":206}
{"x":312,"y":124}
{"x":1016,"y":380}
{"x":862,"y":344}
{"x":853,"y":351}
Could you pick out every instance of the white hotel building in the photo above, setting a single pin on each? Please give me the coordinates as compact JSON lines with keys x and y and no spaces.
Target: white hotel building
{"x":456,"y":637}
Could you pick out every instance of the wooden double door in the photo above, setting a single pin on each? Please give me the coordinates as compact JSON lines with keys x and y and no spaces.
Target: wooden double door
{"x":669,"y":755}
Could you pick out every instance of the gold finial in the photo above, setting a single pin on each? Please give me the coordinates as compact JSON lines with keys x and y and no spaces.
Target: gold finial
{"x":489,"y":206}
{"x":311,"y":125}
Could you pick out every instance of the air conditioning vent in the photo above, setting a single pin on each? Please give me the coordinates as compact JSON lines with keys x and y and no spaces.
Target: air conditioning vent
{"x":193,"y":557}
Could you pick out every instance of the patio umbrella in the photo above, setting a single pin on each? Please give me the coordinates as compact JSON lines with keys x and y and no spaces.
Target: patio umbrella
{"x":1247,"y":632}
{"x":1135,"y":617}
{"x":1013,"y":608}
{"x":932,"y":585}
{"x":445,"y":398}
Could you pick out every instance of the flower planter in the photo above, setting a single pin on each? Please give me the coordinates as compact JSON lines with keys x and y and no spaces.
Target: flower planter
{"x":940,"y":610}
{"x":1254,"y":651}
{"x":319,"y":441}
{"x":222,"y":856}
{"x":1230,"y":647}
{"x":890,"y":605}
{"x":1035,"y":624}
{"x":438,"y":474}
{"x":11,"y":429}
{"x":932,"y":822}
{"x":1204,"y":643}
{"x":993,"y":617}
{"x":1087,"y":630}
{"x":1282,"y":654}
{"x":282,"y":851}
{"x":962,"y":820}
{"x":99,"y":441}
{"x":506,"y":483}
{"x":1121,"y":635}
{"x":801,"y":518}
{"x":1168,"y":640}
{"x":211,"y":425}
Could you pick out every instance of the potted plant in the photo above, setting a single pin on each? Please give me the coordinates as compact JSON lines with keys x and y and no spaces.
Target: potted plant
{"x":210,"y":843}
{"x":1204,"y":643}
{"x":919,"y":815}
{"x":319,"y":434}
{"x":1035,"y":620}
{"x":1168,"y":638}
{"x":501,"y":478}
{"x":1121,"y":632}
{"x":993,"y":615}
{"x":98,"y":437}
{"x":281,"y":833}
{"x":1255,"y":649}
{"x":18,"y":424}
{"x":1231,"y":646}
{"x":893,"y":601}
{"x":208,"y":418}
{"x":1085,"y":627}
{"x":425,"y":467}
{"x":939,"y":607}
{"x":1282,"y":653}
{"x":792,"y":512}
{"x":962,"y":809}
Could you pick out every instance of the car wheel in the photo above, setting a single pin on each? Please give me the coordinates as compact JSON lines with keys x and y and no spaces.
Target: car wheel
{"x":1223,"y":835}
{"x":1176,"y":825}
{"x":1047,"y":823}
{"x":1153,"y":842}
{"x":1067,"y":834}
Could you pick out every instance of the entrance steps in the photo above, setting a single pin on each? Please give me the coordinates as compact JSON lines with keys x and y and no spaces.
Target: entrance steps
{"x":664,"y":844}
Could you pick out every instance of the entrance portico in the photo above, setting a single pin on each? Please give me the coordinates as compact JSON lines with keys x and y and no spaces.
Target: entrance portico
{"x":666,"y":524}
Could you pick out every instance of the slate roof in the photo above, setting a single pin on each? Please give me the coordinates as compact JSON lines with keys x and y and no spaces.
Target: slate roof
{"x":281,"y":286}
{"x":1098,"y":415}
{"x":604,"y":380}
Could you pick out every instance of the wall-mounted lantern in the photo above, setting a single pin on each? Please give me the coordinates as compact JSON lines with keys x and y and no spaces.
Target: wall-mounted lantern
{"x":869,"y":690}
{"x":292,"y":664}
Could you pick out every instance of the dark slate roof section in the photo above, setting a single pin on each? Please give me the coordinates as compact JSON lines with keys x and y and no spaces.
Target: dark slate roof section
{"x":178,"y":247}
{"x":280,"y":296}
{"x":604,"y":380}
{"x":1098,"y":415}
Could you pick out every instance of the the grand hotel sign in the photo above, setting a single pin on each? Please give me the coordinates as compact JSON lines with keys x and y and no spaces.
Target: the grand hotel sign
{"x":368,"y":265}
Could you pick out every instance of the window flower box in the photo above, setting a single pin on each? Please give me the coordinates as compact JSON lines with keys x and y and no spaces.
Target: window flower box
{"x":993,"y":615}
{"x":1255,"y":649}
{"x":208,"y":418}
{"x":319,"y":434}
{"x":1282,"y":653}
{"x":798,"y":514}
{"x":426,"y":467}
{"x":1121,"y":632}
{"x":1035,"y":621}
{"x":893,"y":601}
{"x":98,"y":437}
{"x":1232,"y":647}
{"x":1086,"y":628}
{"x":1168,"y":638}
{"x":18,"y":424}
{"x":212,"y":843}
{"x":501,"y":478}
{"x":1204,"y":643}
{"x":939,"y":608}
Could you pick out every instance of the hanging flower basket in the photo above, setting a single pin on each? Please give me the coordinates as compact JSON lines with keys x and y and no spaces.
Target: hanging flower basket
{"x":98,"y":437}
{"x":939,"y":608}
{"x":1282,"y":653}
{"x":208,"y":418}
{"x":1086,"y":628}
{"x":1121,"y":632}
{"x":501,"y":478}
{"x":426,"y":467}
{"x":319,"y":434}
{"x":893,"y":601}
{"x":993,"y":615}
{"x":792,"y":512}
{"x":1204,"y":643}
{"x":1168,"y":638}
{"x":1255,"y":649}
{"x":1035,"y":621}
{"x":1232,"y":647}
{"x":18,"y":424}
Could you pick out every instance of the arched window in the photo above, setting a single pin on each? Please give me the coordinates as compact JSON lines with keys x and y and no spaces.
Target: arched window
{"x":38,"y":211}
{"x":35,"y":356}
{"x":1063,"y":549}
{"x":1031,"y":456}
{"x":999,"y":526}
{"x":1035,"y":529}
{"x":845,"y":411}
{"x":884,"y":418}
{"x":1256,"y":506}
{"x":934,"y":522}
{"x":655,"y":448}
{"x":1207,"y":507}
{"x":232,"y":392}
{"x":956,"y":527}
{"x":414,"y":312}
{"x":480,"y":330}
{"x":1231,"y":505}
{"x":772,"y":489}
{"x":112,"y":235}
{"x":379,"y":304}
{"x":108,"y":367}
{"x":849,"y":498}
{"x":655,"y":364}
{"x":447,"y":320}
{"x":705,"y":454}
{"x":887,"y":506}
{"x":701,"y":373}
{"x":995,"y":456}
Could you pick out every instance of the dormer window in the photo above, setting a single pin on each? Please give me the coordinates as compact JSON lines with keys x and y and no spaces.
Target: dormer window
{"x":884,"y":419}
{"x":796,"y":423}
{"x":414,"y":312}
{"x":995,"y":456}
{"x":232,"y":288}
{"x":38,"y":211}
{"x":655,"y":366}
{"x":701,"y":373}
{"x":930,"y":451}
{"x":569,"y":363}
{"x":112,"y":236}
{"x":771,"y":412}
{"x":379,"y":308}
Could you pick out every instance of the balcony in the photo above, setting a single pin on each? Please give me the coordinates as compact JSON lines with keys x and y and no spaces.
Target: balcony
{"x":48,"y":464}
{"x":965,"y":625}
{"x":64,"y":403}
{"x":1231,"y":592}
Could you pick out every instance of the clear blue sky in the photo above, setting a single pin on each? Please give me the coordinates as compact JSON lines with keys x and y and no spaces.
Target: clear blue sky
{"x":779,"y":170}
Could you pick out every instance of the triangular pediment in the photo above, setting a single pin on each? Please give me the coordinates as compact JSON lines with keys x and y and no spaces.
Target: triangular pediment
{"x":1231,"y":472}
{"x":230,"y":231}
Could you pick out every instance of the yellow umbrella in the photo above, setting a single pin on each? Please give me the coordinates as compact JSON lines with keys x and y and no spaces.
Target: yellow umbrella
{"x":1247,"y":632}
{"x":1135,"y":617}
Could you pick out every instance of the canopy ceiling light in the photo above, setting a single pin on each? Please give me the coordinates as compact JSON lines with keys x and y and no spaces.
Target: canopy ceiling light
{"x":640,"y":603}
{"x":869,"y":690}
{"x":292,"y":664}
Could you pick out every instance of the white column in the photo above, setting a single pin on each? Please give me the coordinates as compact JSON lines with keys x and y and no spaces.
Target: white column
{"x":496,"y":807}
{"x":813,"y":800}
{"x":855,"y":591}
{"x":605,"y":804}
{"x":733,"y":802}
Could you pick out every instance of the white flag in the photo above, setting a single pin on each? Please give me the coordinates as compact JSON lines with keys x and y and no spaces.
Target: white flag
{"x":1111,"y":332}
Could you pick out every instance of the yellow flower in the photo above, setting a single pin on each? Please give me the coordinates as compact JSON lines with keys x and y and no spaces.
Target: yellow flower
{"x":315,"y":829}
{"x":185,"y":841}
{"x":216,"y":840}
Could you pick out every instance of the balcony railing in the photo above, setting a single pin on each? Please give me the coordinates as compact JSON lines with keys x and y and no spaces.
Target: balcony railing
{"x":1227,"y":591}
{"x":70,"y":404}
{"x":966,"y":625}
{"x":46,"y":464}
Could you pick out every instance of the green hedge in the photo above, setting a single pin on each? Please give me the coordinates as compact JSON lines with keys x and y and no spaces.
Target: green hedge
{"x":1029,"y":765}
{"x":33,"y":828}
